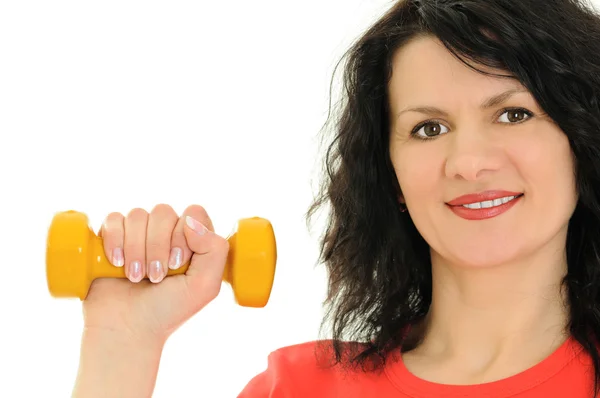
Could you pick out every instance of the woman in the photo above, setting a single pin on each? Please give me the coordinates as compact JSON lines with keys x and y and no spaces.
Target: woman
{"x":464,"y":236}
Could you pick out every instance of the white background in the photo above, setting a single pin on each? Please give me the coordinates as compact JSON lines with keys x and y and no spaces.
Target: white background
{"x":110,"y":105}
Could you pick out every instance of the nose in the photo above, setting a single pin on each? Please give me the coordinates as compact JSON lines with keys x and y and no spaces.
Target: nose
{"x":471,"y":155}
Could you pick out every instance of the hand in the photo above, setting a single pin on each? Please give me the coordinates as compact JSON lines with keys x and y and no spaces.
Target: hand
{"x":150,"y":244}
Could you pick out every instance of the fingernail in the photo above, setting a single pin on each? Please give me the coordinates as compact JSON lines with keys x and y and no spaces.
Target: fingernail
{"x":155,"y":272}
{"x":117,"y":257}
{"x":175,"y":258}
{"x":135,"y":271}
{"x":195,"y":225}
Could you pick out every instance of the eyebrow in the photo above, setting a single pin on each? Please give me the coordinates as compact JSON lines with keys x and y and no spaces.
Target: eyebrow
{"x":488,"y":103}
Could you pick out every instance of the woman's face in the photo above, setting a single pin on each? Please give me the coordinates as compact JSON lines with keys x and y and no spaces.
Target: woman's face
{"x":505,"y":151}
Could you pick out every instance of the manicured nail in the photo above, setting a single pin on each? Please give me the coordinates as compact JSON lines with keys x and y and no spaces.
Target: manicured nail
{"x":117,"y":257}
{"x":155,"y":272}
{"x":135,"y":271}
{"x":175,"y":258}
{"x":195,"y":225}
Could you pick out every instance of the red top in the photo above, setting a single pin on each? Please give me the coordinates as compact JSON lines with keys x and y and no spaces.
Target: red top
{"x":293,"y":372}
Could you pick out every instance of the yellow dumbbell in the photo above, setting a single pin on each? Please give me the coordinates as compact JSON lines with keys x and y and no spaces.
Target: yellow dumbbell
{"x":75,"y":257}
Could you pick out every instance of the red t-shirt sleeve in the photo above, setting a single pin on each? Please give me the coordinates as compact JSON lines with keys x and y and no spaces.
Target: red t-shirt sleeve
{"x":295,"y":371}
{"x":274,"y":382}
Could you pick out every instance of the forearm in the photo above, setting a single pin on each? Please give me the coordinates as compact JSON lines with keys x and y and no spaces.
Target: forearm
{"x":115,"y":366}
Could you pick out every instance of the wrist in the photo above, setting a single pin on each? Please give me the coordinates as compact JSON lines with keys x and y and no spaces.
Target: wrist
{"x":125,"y":339}
{"x":117,"y":364}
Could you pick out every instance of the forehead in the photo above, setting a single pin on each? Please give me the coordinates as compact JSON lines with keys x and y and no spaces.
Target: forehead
{"x":423,"y":70}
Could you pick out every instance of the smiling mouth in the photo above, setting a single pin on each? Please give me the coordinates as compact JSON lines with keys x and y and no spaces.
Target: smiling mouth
{"x":488,"y":204}
{"x":486,"y":209}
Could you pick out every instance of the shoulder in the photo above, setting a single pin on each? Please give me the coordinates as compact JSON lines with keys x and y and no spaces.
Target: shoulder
{"x":298,"y":368}
{"x":308,"y":354}
{"x":312,"y":356}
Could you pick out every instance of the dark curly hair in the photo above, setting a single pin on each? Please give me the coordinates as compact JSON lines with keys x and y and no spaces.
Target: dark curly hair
{"x":378,"y":264}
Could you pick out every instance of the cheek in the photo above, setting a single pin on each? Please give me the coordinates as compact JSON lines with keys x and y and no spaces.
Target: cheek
{"x":418,"y":169}
{"x":545,"y":163}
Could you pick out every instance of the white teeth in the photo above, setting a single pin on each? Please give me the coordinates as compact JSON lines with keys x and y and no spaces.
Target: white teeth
{"x":489,"y":203}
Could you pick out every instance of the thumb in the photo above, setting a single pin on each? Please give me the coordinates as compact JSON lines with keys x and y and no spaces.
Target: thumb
{"x":209,"y":256}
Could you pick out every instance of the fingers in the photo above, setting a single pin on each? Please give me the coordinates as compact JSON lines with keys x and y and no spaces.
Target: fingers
{"x":113,"y":232}
{"x":209,"y":257}
{"x":147,"y":244}
{"x":161,"y":223}
{"x":178,"y":239}
{"x":136,"y":224}
{"x":124,"y":241}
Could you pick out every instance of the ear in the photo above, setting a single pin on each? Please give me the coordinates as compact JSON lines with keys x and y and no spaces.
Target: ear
{"x":401,"y":199}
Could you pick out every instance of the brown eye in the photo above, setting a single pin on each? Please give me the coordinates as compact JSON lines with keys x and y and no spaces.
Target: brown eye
{"x":430,"y":130}
{"x":514,"y":116}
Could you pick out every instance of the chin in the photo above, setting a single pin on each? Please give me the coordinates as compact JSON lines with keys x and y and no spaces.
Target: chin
{"x":482,"y":256}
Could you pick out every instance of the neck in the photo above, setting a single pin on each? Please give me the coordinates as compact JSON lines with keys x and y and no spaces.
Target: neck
{"x":489,"y":315}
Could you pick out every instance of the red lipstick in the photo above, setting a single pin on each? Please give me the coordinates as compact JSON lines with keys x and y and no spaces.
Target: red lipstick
{"x":487,"y":210}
